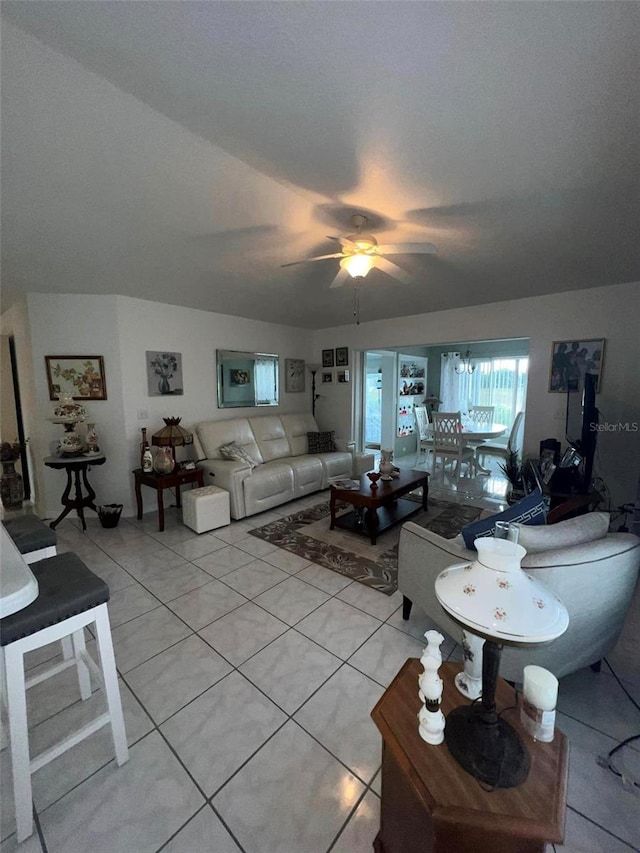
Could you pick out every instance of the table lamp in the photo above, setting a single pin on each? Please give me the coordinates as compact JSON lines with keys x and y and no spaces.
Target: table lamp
{"x":172,"y":435}
{"x":494,"y":598}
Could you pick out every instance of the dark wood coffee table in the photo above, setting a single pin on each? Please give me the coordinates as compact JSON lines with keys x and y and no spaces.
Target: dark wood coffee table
{"x":384,"y":506}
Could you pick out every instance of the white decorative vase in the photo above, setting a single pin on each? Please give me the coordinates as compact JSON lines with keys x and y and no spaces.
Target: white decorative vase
{"x":469,"y":681}
{"x":430,"y":717}
{"x":386,"y":465}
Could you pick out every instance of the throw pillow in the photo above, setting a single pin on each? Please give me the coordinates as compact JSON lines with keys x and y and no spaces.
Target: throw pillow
{"x":565,"y":534}
{"x":530,"y":510}
{"x":321,"y":442}
{"x":234,"y":451}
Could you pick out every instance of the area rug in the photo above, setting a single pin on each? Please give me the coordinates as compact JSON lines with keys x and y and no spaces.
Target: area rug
{"x":306,"y":533}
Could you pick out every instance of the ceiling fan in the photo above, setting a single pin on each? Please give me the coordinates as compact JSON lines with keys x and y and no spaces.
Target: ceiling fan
{"x":361,"y":252}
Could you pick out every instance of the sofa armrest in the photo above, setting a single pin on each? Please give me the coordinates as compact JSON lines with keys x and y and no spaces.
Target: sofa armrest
{"x":345,"y":446}
{"x":228,"y":474}
{"x":611,"y":546}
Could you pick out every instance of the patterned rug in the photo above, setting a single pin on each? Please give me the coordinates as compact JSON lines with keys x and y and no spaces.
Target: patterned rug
{"x":307,"y":534}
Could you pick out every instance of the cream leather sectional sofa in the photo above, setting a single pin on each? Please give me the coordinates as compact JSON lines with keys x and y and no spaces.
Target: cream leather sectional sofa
{"x":285,"y":470}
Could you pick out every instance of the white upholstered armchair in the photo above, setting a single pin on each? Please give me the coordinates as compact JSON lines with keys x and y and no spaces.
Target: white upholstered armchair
{"x":592,"y":571}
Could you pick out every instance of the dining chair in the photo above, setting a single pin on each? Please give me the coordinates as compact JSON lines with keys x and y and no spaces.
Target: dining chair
{"x":482,"y":414}
{"x":497,"y":447}
{"x":423,"y":432}
{"x":448,"y":442}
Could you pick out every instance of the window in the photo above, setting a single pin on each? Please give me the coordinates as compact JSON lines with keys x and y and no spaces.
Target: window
{"x":498,"y":382}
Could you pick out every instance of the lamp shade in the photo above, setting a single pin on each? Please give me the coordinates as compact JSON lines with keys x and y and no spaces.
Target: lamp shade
{"x":494,"y":597}
{"x":357,"y":265}
{"x":172,"y":434}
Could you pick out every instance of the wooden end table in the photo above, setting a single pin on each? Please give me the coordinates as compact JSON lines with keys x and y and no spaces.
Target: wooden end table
{"x":384,"y":506}
{"x":160,"y":482}
{"x":76,"y":467}
{"x":431,"y":805}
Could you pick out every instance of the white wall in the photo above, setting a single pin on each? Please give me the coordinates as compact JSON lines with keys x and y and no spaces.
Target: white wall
{"x":122,"y":329}
{"x":606,"y":312}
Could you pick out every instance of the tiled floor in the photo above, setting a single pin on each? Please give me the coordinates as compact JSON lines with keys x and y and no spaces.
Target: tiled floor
{"x":247,"y":677}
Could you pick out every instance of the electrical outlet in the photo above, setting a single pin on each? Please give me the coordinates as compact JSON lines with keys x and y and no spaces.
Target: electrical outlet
{"x":143,"y":415}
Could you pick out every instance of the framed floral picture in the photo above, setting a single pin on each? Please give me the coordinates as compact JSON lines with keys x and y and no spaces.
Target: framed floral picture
{"x":342,"y":356}
{"x":327,"y":358}
{"x":164,"y":374}
{"x":327,"y":376}
{"x":81,"y":375}
{"x":294,"y":375}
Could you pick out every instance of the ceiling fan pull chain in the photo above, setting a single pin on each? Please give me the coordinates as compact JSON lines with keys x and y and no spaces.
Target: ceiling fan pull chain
{"x":356,"y":304}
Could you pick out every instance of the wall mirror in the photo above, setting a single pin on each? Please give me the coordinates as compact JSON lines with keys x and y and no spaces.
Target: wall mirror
{"x":247,"y":379}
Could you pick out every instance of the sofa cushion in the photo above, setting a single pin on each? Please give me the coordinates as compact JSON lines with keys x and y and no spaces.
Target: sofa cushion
{"x":322,"y":442}
{"x":575,"y":531}
{"x":270,"y":437}
{"x":234,"y":451}
{"x":214,"y":434}
{"x":530,"y":510}
{"x":296,"y":427}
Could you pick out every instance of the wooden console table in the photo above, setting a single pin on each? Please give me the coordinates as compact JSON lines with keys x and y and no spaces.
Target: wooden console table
{"x":431,"y":805}
{"x":159,"y":482}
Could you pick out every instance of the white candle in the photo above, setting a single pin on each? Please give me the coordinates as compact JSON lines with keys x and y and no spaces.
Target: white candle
{"x":540,"y":688}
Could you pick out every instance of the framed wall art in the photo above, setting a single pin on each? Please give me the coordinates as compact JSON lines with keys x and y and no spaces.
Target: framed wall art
{"x":570,"y":360}
{"x":81,"y":375}
{"x":342,"y":356}
{"x":327,"y":358}
{"x":294,"y":374}
{"x":327,"y":377}
{"x":164,"y":374}
{"x":343,"y":376}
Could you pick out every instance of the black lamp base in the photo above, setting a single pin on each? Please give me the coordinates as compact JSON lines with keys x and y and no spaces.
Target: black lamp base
{"x":486,"y":746}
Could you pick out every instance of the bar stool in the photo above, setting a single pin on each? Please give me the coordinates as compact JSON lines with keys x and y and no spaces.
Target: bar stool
{"x":34,"y":539}
{"x":70,"y":598}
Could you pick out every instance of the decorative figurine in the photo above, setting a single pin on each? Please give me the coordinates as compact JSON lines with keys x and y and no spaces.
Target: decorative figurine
{"x":431,"y":718}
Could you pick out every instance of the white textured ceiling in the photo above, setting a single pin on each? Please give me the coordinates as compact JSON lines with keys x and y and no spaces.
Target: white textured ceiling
{"x":182,"y":151}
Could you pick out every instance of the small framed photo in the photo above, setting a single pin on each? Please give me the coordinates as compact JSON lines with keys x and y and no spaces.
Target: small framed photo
{"x":164,"y":373}
{"x":82,"y":375}
{"x":293,"y":374}
{"x":327,"y":358}
{"x":342,"y":356}
{"x":327,"y":377}
{"x":570,"y":360}
{"x":240,"y":377}
{"x":343,"y":376}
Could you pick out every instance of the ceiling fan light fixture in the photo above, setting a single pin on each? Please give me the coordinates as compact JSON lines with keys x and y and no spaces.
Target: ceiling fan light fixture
{"x":357,"y":265}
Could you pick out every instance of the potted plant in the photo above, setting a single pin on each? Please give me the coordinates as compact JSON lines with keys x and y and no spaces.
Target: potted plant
{"x":513,"y":471}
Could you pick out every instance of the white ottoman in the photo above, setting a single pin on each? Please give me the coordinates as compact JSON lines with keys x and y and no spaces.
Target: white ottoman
{"x":363,"y":462}
{"x":205,"y":509}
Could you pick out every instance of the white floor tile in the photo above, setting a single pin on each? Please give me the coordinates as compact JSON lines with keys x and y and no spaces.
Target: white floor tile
{"x":205,"y":833}
{"x":217,"y":732}
{"x":201,"y":606}
{"x":192,"y":549}
{"x":324,"y":579}
{"x":291,"y":600}
{"x":382,"y":656}
{"x":173,"y":678}
{"x":223,"y":561}
{"x":370,"y":600}
{"x":338,"y":627}
{"x":345,"y":728}
{"x":363,"y":826}
{"x":291,"y":796}
{"x":289,"y":669}
{"x":147,"y":635}
{"x":254,"y":578}
{"x":137,"y":807}
{"x":241,"y":633}
{"x":125,"y":604}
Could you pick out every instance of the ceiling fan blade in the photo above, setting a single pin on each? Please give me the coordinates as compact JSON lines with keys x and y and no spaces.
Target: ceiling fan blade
{"x":344,"y":241}
{"x":318,"y":258}
{"x":339,"y":280}
{"x":392,"y":269}
{"x":408,"y":249}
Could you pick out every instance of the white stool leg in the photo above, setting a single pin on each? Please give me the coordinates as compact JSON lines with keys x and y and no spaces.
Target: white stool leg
{"x":108,"y":663}
{"x":67,"y":648}
{"x":19,"y":738}
{"x":84,"y":679}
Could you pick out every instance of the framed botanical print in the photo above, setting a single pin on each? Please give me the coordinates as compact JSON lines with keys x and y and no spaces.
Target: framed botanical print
{"x":164,"y":373}
{"x":294,"y":378}
{"x":327,"y":376}
{"x":342,"y":356}
{"x":570,"y":360}
{"x":327,"y":358}
{"x":81,"y":375}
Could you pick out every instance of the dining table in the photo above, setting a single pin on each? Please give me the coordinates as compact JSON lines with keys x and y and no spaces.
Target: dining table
{"x":19,"y":586}
{"x":475,"y":433}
